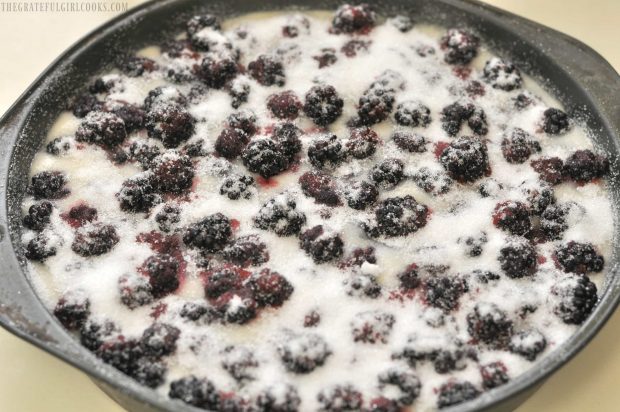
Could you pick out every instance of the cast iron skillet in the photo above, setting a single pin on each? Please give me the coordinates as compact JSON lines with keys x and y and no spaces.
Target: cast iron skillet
{"x":580,"y":78}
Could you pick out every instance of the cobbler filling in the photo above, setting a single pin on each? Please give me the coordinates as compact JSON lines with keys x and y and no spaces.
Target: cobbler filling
{"x":292,"y":212}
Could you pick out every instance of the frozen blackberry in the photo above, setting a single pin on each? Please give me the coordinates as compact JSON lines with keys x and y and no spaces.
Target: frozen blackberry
{"x":431,"y":181}
{"x":321,"y":246}
{"x":576,"y":297}
{"x":138,"y":195}
{"x":202,"y":21}
{"x":409,"y":278}
{"x":549,"y":169}
{"x":244,"y":120}
{"x":48,"y":185}
{"x":149,"y":372}
{"x":246,"y":251}
{"x":223,"y":280}
{"x":269,"y":288}
{"x":94,"y":240}
{"x":323,"y":104}
{"x":135,"y":290}
{"x":80,"y":215}
{"x":519,"y":146}
{"x":231,"y":142}
{"x":443,"y":292}
{"x":143,"y":153}
{"x":477,"y":122}
{"x":513,"y":217}
{"x":38,"y":216}
{"x":518,"y":258}
{"x":528,"y":344}
{"x":284,"y":105}
{"x":265,"y":157}
{"x":412,"y":113}
{"x":93,"y":334}
{"x":539,"y":198}
{"x":237,"y":187}
{"x":197,"y":311}
{"x":494,"y":375}
{"x":237,"y":306}
{"x":401,"y":23}
{"x":354,"y":19}
{"x":489,"y":324}
{"x":354,"y":46}
{"x":163,"y":273}
{"x":303,"y":353}
{"x":136,"y":66}
{"x":280,"y":397}
{"x":195,"y":391}
{"x":474,"y":244}
{"x":212,"y":40}
{"x":133,"y":116}
{"x":555,"y":122}
{"x":362,"y":142}
{"x":172,"y":172}
{"x":553,"y":221}
{"x":106,"y":129}
{"x":84,"y":104}
{"x":172,"y":125}
{"x":372,"y":327}
{"x":210,"y":234}
{"x":72,"y":310}
{"x":59,"y":146}
{"x":388,"y":173}
{"x":398,"y":216}
{"x":167,"y":217}
{"x":363,"y":285}
{"x":287,"y":136}
{"x":122,"y":354}
{"x":239,"y":362}
{"x":216,"y":72}
{"x":326,"y":58}
{"x":239,"y":91}
{"x":321,"y":187}
{"x":339,"y":398}
{"x":406,"y":382}
{"x":583,"y":166}
{"x":411,"y":142}
{"x":465,"y":159}
{"x":459,"y":46}
{"x":267,"y":70}
{"x":164,"y":96}
{"x":502,"y":74}
{"x":456,"y":114}
{"x":280,"y":216}
{"x":195,"y":149}
{"x":375,"y":106}
{"x":360,"y":195}
{"x":325,"y":151}
{"x":159,"y":339}
{"x":579,"y":258}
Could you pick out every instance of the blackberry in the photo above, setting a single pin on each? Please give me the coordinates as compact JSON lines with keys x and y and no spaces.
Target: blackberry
{"x":358,"y":257}
{"x":202,"y":21}
{"x":94,"y":240}
{"x":325,"y":151}
{"x":583,"y":166}
{"x":363,"y":285}
{"x":195,"y":391}
{"x":412,"y":113}
{"x":375,"y":105}
{"x":244,"y":120}
{"x":167,"y":217}
{"x":431,"y":181}
{"x":236,"y":187}
{"x":320,"y":187}
{"x":149,"y":372}
{"x":579,"y":258}
{"x":135,"y":290}
{"x":284,"y":105}
{"x":143,"y":153}
{"x":326,"y":58}
{"x":454,"y":115}
{"x":512,"y":217}
{"x":577,"y":297}
{"x":48,"y":185}
{"x":553,"y":221}
{"x":106,"y":129}
{"x":82,"y":214}
{"x":408,"y":384}
{"x":269,"y":288}
{"x":339,"y":398}
{"x":485,"y":276}
{"x":459,"y":46}
{"x":303,"y":353}
{"x":280,"y":216}
{"x":294,"y":25}
{"x":411,"y":142}
{"x":163,"y":273}
{"x":519,"y":146}
{"x":549,"y":169}
{"x":38,"y":216}
{"x":265,"y":157}
{"x":477,"y":122}
{"x":267,"y":70}
{"x":474,"y":244}
{"x":280,"y":397}
{"x":398,"y":216}
{"x":93,"y":334}
{"x":312,"y":319}
{"x":354,"y":19}
{"x":239,"y":91}
{"x":222,"y":281}
{"x":402,"y":23}
{"x":72,"y":310}
{"x":84,"y":104}
{"x":59,"y":146}
{"x":388,"y":173}
{"x":216,"y":72}
{"x":286,"y":135}
{"x":362,"y":142}
{"x":172,"y":125}
{"x":523,"y":100}
{"x":198,"y":311}
{"x":465,"y":159}
{"x":237,"y":306}
{"x":164,"y":96}
{"x":122,"y":354}
{"x":231,"y":142}
{"x":137,"y":195}
{"x":518,"y":259}
{"x":172,"y":172}
{"x":409,"y":278}
{"x":323,"y":104}
{"x":443,"y":292}
{"x":246,"y":251}
{"x":195,"y":149}
{"x":159,"y":339}
{"x":321,"y":246}
{"x":210,"y":234}
{"x":490,"y":325}
{"x":555,"y":122}
{"x":360,"y":195}
{"x":528,"y":344}
{"x":352,"y":47}
{"x":232,"y":403}
{"x":136,"y":66}
{"x":540,"y":198}
{"x":212,"y":40}
{"x":239,"y":362}
{"x":102,"y":86}
{"x":494,"y":375}
{"x":133,"y":116}
{"x":383,"y":404}
{"x":502,"y":74}
{"x":372,"y":327}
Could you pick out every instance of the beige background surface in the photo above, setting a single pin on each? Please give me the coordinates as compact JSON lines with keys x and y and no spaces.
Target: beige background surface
{"x":31,"y":380}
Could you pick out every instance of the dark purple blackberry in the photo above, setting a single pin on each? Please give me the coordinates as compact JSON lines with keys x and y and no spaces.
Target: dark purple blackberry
{"x":360,"y":195}
{"x":412,"y":113}
{"x":553,"y":221}
{"x":265,"y":157}
{"x":280,"y":216}
{"x":84,"y":104}
{"x":398,"y":216}
{"x":210,"y":39}
{"x":445,"y":361}
{"x":133,"y":116}
{"x":143,"y":153}
{"x":321,"y":187}
{"x":136,"y":66}
{"x":459,"y":46}
{"x":267,"y":70}
{"x":137,"y":195}
{"x":401,"y":23}
{"x":485,"y":276}
{"x":239,"y":361}
{"x":106,"y":129}
{"x":167,"y":217}
{"x":454,"y":115}
{"x":583,"y":166}
{"x":477,"y":122}
{"x":149,"y":372}
{"x":388,"y":173}
{"x":363,"y":285}
{"x":382,"y":404}
{"x":237,"y":187}
{"x":321,"y":246}
{"x":528,"y":344}
{"x":339,"y":398}
{"x":72,"y":310}
{"x":494,"y":375}
{"x":474,"y":244}
{"x":432,"y":181}
{"x":502,"y":74}
{"x":549,"y":169}
{"x":407,"y":383}
{"x":287,"y":136}
{"x":513,"y":217}
{"x":230,"y":402}
{"x":202,"y":21}
{"x":59,"y":146}
{"x":284,"y":105}
{"x":490,"y":188}
{"x":172,"y":172}
{"x":93,"y":334}
{"x":159,"y":339}
{"x":244,"y":120}
{"x":372,"y":327}
{"x":210,"y":234}
{"x":354,"y":19}
{"x":540,"y":198}
{"x":246,"y":251}
{"x":409,"y":278}
{"x":135,"y":290}
{"x":323,"y":104}
{"x":519,"y":146}
{"x":216,"y":72}
{"x":303,"y":353}
{"x":362,"y":142}
{"x":237,"y":306}
{"x":172,"y":125}
{"x":94,"y":240}
{"x":411,"y":142}
{"x":231,"y":142}
{"x":195,"y":391}
{"x":280,"y":397}
{"x":443,"y":292}
{"x":166,"y":96}
{"x":523,"y":100}
{"x":101,"y":86}
{"x":163,"y":273}
{"x":354,"y":46}
{"x":195,"y":149}
{"x":38,"y":216}
{"x":223,"y":280}
{"x":269,"y":288}
{"x":518,"y":258}
{"x":326,"y":58}
{"x":197,"y":311}
{"x":579,"y":258}
{"x":325,"y":151}
{"x":239,"y":91}
{"x":294,"y":25}
{"x":489,"y":324}
{"x":48,"y":185}
{"x":122,"y":354}
{"x":577,"y":297}
{"x":82,"y":214}
{"x":465,"y":159}
{"x":555,"y":122}
{"x":375,"y":106}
